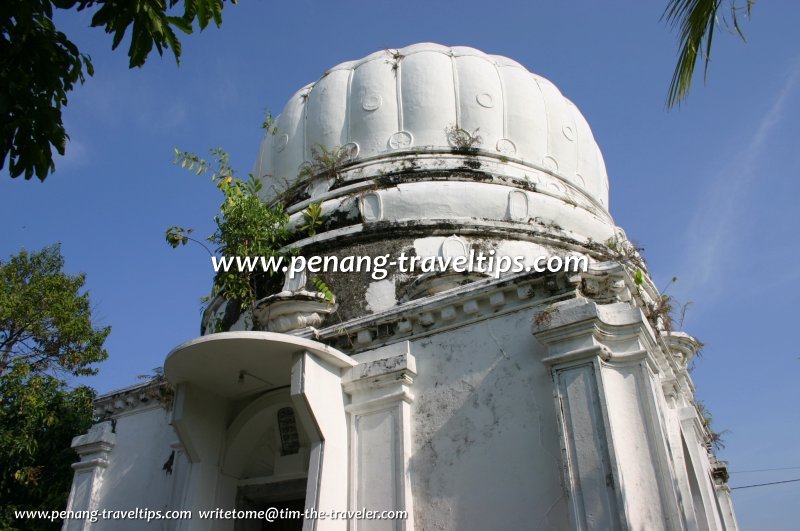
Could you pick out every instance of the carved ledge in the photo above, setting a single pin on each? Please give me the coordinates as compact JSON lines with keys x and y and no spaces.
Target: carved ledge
{"x":93,"y":447}
{"x":136,"y":397}
{"x":387,"y":379}
{"x":580,"y":328}
{"x":293,"y":310}
{"x":606,"y":282}
{"x":719,"y":471}
{"x":682,"y":346}
{"x":480,"y":300}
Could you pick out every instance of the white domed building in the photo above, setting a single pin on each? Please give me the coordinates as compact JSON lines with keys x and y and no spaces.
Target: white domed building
{"x":473,"y":397}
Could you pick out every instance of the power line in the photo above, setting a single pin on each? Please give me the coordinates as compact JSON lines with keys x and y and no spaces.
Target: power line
{"x":764,"y":469}
{"x":765,"y":484}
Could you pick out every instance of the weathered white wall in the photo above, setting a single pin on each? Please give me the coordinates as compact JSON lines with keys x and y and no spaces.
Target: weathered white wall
{"x":486,"y":449}
{"x":461,"y":427}
{"x":135,"y":478}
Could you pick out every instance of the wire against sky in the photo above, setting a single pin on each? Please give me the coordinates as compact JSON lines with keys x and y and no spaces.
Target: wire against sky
{"x":765,"y":484}
{"x":764,"y":469}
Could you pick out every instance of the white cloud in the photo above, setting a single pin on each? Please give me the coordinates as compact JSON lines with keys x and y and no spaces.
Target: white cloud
{"x":714,"y":230}
{"x":75,"y":155}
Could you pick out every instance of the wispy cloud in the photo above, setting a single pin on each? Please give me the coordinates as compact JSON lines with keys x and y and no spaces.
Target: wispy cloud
{"x":76,"y":155}
{"x":715,"y":226}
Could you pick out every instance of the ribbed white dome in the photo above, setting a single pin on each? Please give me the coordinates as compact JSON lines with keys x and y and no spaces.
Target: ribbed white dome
{"x":408,"y":99}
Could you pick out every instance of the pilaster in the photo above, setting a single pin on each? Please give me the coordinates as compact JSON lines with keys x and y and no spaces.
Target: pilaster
{"x":380,"y":438}
{"x":719,"y":474}
{"x":617,"y":467}
{"x":93,"y":448}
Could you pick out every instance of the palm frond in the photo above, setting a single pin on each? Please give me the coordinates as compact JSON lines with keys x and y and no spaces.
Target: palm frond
{"x":695,"y":21}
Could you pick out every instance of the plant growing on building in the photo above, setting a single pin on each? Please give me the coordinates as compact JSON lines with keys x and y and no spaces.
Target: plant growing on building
{"x":158,"y":388}
{"x":323,"y":288}
{"x":395,"y":60}
{"x":715,"y":438}
{"x":660,"y":312}
{"x":312,"y":216}
{"x":246,"y":227}
{"x":625,"y":252}
{"x":269,"y":124}
{"x":326,"y":162}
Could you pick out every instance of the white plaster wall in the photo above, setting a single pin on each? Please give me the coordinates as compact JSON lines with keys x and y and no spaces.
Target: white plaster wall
{"x":485,"y":444}
{"x":134,"y":478}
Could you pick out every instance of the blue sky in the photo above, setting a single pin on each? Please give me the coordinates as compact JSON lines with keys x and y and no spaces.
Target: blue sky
{"x":710,"y":190}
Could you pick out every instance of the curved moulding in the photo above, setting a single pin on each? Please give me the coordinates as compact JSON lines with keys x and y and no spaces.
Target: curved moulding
{"x":453,"y":247}
{"x":370,"y":207}
{"x":517,"y":205}
{"x":351,"y":149}
{"x":401,"y":140}
{"x":506,"y":147}
{"x":317,"y":187}
{"x":280,"y":142}
{"x":427,"y":201}
{"x":346,"y":206}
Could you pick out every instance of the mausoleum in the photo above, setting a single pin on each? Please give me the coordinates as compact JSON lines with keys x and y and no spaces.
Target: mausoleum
{"x":470,"y":400}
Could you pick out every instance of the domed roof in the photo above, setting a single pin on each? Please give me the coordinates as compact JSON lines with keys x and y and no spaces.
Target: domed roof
{"x":414,"y":98}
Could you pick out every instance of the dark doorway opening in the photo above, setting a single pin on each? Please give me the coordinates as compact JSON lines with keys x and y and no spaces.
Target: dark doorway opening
{"x":288,"y":497}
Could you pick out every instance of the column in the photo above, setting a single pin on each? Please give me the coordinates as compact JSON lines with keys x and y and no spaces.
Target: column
{"x":380,"y":438}
{"x":617,"y":465}
{"x":93,"y":449}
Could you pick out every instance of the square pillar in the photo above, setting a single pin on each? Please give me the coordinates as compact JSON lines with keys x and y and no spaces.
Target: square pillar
{"x":86,"y":492}
{"x":617,"y":465}
{"x":380,"y":439}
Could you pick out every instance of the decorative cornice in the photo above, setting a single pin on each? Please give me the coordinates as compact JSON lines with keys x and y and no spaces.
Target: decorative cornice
{"x":93,"y":447}
{"x":449,"y":309}
{"x":292,"y":310}
{"x":146,"y":395}
{"x":683,"y":347}
{"x":606,"y":282}
{"x":578,"y":354}
{"x":425,"y":164}
{"x":91,"y":464}
{"x":380,"y":383}
{"x":578,"y":329}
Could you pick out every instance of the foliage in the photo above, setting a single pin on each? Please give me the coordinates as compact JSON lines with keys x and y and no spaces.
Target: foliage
{"x":323,"y":288}
{"x":626,"y":252}
{"x":326,"y":162}
{"x":715,"y":438}
{"x":312,"y":216}
{"x":39,"y":417}
{"x":45,"y":322}
{"x":395,"y":61}
{"x":246,"y":226}
{"x":695,"y":21}
{"x":159,"y":389}
{"x":661,"y":312}
{"x":269,"y":125}
{"x":45,"y":329}
{"x":39,"y":65}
